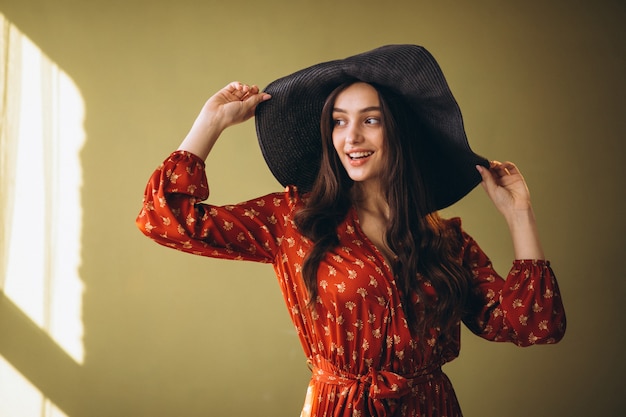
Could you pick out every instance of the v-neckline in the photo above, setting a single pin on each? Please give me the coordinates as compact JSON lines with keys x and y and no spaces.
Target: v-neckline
{"x":377,"y":251}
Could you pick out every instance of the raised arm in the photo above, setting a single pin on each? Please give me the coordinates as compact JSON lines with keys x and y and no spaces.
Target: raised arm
{"x":173,"y":213}
{"x":507,"y":188}
{"x":233,"y":104}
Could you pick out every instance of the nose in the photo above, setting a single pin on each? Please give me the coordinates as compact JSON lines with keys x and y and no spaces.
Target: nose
{"x":353,"y":134}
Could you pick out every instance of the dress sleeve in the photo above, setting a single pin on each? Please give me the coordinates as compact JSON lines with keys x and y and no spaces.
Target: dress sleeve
{"x":525,"y":308}
{"x":173,"y":215}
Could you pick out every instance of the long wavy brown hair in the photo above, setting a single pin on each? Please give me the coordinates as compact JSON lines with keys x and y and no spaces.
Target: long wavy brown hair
{"x":424,"y":246}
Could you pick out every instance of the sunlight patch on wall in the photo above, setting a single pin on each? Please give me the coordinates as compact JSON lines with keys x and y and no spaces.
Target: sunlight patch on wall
{"x":20,"y":398}
{"x":40,"y":182}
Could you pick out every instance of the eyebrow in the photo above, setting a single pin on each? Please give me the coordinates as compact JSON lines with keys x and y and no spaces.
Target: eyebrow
{"x":364,"y":110}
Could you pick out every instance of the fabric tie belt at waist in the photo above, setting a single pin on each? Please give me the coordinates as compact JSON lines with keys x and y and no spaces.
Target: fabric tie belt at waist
{"x":378,"y":385}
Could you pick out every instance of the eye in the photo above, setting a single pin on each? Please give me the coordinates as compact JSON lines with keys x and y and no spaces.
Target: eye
{"x":372,"y":121}
{"x":339,"y":122}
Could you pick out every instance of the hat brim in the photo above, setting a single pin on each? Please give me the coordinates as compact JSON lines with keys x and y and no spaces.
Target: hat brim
{"x":288,"y":125}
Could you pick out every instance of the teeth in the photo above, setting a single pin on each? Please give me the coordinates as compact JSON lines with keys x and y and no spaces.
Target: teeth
{"x":358,"y":155}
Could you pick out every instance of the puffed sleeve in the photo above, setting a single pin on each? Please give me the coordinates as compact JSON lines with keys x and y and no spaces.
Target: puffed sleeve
{"x":173,"y":215}
{"x":525,"y":308}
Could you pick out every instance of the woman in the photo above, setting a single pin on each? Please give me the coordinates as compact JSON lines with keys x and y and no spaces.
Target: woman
{"x":375,"y":281}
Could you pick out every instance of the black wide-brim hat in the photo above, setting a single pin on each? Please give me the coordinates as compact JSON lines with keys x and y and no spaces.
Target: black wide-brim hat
{"x":288,"y":125}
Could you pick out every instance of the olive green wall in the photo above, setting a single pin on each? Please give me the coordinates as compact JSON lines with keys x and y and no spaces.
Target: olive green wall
{"x":169,"y":334}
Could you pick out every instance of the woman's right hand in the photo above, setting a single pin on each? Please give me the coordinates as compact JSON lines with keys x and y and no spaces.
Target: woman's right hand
{"x":233,"y":104}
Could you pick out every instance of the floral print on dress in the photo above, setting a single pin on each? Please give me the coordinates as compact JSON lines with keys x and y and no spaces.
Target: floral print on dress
{"x":363,"y":358}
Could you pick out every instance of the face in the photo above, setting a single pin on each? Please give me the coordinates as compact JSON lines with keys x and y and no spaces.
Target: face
{"x":358,"y":132}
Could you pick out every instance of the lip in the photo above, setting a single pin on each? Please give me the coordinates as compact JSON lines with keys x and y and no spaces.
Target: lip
{"x":364,"y":156}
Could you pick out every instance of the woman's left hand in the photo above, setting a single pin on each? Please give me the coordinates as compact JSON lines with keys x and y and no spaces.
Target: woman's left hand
{"x":506,"y":187}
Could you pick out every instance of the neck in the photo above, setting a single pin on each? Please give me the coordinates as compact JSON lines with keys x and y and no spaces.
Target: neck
{"x":370,"y":199}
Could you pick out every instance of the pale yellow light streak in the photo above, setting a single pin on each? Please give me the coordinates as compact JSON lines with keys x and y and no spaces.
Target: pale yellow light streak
{"x":42,"y":269}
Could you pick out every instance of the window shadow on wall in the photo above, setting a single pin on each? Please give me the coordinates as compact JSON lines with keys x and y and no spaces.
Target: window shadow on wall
{"x":156,"y":339}
{"x":38,"y":358}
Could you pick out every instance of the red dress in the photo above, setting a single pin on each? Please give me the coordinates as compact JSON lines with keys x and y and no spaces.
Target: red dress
{"x":364,"y":361}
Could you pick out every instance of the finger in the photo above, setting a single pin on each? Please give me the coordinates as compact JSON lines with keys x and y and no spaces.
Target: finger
{"x":242,"y":91}
{"x":251,"y":102}
{"x":488,"y":180}
{"x":233,"y":86}
{"x":510,"y":167}
{"x":501,"y":169}
{"x":248,"y":92}
{"x":238,"y":89}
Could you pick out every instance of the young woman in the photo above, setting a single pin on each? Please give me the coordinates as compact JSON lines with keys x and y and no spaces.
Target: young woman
{"x":376,"y":283}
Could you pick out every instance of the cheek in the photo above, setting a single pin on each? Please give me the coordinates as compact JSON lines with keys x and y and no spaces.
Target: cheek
{"x":337,"y":143}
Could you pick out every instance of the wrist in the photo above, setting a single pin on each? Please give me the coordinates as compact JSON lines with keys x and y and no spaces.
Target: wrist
{"x":525,"y":235}
{"x":520,"y":217}
{"x":202,"y":136}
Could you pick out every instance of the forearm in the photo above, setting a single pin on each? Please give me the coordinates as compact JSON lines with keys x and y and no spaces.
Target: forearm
{"x":525,"y":235}
{"x":507,"y":189}
{"x":202,"y":136}
{"x":233,"y":104}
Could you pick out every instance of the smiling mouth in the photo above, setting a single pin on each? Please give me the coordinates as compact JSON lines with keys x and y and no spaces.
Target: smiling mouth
{"x":359,"y":155}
